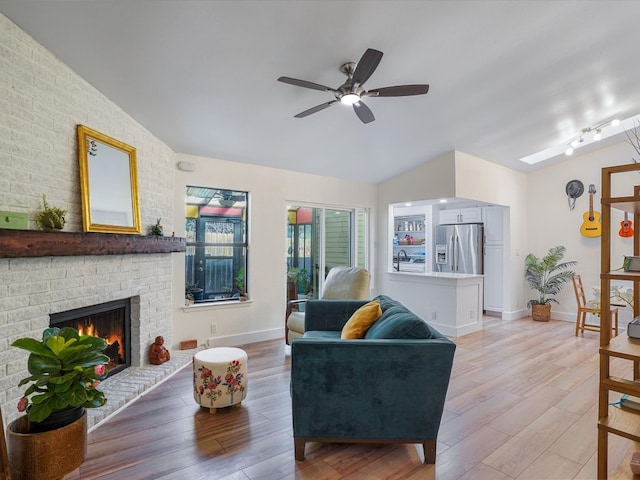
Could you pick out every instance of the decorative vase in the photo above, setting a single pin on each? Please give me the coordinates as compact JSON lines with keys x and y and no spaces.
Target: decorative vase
{"x":541,"y":313}
{"x":46,"y":455}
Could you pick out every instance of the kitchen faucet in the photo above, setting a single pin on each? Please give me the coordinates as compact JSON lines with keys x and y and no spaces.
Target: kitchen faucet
{"x":397,"y":267}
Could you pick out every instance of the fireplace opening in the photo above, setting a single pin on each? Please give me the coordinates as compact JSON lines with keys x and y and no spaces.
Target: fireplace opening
{"x":110,"y":321}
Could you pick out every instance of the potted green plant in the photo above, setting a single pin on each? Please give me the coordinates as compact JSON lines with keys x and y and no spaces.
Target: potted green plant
{"x":547,"y":276}
{"x":65,"y":368}
{"x":51,"y":218}
{"x":193,"y":293}
{"x":156,"y":230}
{"x":240,"y":284}
{"x":305,"y":284}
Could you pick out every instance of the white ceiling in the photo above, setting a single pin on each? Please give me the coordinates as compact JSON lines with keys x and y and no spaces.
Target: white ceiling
{"x":508,"y":78}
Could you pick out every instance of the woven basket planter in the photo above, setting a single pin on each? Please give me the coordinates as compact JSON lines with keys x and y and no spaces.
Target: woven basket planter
{"x":541,"y":313}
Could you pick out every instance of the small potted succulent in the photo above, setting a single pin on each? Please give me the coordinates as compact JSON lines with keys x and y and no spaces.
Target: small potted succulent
{"x":51,"y":218}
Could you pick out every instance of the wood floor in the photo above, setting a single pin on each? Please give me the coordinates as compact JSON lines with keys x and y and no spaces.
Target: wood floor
{"x":522,"y":404}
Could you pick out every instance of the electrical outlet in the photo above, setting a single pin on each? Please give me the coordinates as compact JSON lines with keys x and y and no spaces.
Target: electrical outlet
{"x":214,"y":328}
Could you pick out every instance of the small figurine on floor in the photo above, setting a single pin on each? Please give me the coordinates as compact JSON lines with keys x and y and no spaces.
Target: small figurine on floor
{"x":158,"y":354}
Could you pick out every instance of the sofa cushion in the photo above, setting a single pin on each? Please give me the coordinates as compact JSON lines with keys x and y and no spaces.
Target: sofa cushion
{"x":330,"y":334}
{"x":397,"y":321}
{"x":361,"y":320}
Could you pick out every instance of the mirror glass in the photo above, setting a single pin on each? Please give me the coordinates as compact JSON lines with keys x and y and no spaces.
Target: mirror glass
{"x":108,"y":182}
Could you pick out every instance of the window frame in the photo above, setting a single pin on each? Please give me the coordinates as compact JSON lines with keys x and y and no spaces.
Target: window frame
{"x":206,"y":253}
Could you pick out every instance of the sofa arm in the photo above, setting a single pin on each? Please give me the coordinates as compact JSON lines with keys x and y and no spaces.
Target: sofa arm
{"x":369,"y":389}
{"x":329,"y":314}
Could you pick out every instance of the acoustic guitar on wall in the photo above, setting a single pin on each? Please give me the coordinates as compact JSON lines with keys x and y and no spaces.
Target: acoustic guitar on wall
{"x":626,"y":229}
{"x":591,"y":226}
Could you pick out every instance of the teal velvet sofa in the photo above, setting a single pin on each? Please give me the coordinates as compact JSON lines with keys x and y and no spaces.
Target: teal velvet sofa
{"x":388,"y":387}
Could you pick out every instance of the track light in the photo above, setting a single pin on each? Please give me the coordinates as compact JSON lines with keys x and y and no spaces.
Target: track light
{"x":597,"y":135}
{"x":586,"y":136}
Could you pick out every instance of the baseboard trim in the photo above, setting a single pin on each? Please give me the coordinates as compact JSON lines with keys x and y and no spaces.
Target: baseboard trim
{"x":242,"y":338}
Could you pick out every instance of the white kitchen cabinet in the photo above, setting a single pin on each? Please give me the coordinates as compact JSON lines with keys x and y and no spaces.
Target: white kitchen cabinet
{"x":450,"y":302}
{"x":460,"y":215}
{"x":492,"y":217}
{"x":493,"y":277}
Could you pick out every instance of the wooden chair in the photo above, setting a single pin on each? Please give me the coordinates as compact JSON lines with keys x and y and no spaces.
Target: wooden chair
{"x":583,"y":310}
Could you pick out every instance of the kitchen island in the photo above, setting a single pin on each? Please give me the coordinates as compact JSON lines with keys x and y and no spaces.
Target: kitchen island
{"x":451,"y":302}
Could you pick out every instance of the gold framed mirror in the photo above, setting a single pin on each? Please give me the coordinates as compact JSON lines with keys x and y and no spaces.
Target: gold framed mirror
{"x":108,"y":183}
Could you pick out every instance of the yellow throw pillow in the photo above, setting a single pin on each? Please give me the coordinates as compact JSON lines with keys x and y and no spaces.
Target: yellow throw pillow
{"x":361,"y":320}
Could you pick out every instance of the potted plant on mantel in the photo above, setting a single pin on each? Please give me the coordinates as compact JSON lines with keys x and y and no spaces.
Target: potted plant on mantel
{"x":547,"y":276}
{"x":50,"y":218}
{"x":65,"y":369}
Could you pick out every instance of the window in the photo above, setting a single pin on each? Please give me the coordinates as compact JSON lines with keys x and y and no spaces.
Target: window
{"x":217,"y":241}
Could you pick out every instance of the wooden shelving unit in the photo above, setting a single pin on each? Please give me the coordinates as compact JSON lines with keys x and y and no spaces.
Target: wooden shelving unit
{"x":613,"y":420}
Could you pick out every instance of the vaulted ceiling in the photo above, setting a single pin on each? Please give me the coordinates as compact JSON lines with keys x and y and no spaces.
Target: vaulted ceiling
{"x":507,"y":78}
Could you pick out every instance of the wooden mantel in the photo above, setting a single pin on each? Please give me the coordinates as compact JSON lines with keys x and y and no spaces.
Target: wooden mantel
{"x":34,"y":243}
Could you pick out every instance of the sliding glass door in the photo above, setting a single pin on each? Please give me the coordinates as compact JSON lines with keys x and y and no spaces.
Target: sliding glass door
{"x":318,"y":239}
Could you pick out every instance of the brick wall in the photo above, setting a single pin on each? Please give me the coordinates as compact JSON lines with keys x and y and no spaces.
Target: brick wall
{"x":41,"y":102}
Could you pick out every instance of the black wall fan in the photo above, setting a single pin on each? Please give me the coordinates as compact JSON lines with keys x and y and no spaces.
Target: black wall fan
{"x":352,"y":91}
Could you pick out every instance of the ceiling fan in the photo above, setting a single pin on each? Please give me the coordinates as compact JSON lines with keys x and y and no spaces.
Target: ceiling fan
{"x":226,"y":198}
{"x":351,"y":91}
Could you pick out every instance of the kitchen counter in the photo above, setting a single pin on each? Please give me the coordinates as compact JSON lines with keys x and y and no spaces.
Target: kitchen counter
{"x":421,"y":273}
{"x":451,"y":302}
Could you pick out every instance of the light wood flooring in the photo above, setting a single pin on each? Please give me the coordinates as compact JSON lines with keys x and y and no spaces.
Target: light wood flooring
{"x":522,"y":404}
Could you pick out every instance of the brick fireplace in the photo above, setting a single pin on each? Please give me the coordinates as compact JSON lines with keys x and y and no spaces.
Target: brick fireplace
{"x":45,"y":100}
{"x":110,"y":321}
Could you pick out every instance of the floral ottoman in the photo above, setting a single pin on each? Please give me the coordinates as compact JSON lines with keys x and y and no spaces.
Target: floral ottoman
{"x":220,"y":377}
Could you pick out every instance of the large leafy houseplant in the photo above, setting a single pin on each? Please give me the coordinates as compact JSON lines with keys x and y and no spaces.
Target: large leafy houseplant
{"x":547,"y":275}
{"x":65,"y":369}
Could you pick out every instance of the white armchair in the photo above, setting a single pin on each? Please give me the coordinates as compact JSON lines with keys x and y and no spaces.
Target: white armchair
{"x":342,"y":283}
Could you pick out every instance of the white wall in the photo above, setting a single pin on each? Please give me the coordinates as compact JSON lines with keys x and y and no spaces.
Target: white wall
{"x":478,"y":179}
{"x":550,"y":222}
{"x":271,"y":190}
{"x":457,"y":174}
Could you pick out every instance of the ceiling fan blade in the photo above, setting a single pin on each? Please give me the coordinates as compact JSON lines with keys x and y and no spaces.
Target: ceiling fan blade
{"x":305,"y":84}
{"x":315,"y":109}
{"x":363,"y":112}
{"x":366,"y":66}
{"x":399,"y":91}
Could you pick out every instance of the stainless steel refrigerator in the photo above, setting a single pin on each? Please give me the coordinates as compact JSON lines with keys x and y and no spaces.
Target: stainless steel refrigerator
{"x":459,"y":248}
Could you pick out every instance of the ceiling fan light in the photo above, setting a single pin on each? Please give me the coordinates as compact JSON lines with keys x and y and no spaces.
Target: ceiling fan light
{"x":350,"y":98}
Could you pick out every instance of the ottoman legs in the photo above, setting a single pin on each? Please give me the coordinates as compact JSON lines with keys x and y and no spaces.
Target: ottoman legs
{"x":213,"y":411}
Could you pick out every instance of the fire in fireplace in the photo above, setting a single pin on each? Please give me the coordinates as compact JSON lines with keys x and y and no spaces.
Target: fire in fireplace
{"x":111,"y":321}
